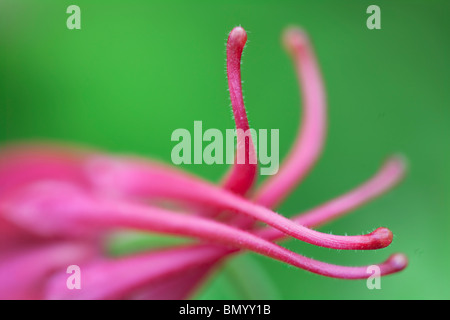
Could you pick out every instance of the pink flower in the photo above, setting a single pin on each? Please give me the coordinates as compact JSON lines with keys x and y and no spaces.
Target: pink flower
{"x":58,"y":205}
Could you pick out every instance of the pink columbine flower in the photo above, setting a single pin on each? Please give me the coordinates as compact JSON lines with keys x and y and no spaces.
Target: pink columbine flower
{"x":58,"y":205}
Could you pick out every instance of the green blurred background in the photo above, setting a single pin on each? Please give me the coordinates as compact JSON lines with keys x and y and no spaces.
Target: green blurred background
{"x":137,"y":70}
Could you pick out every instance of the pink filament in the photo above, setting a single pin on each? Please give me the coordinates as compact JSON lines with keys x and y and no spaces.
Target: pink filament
{"x":64,"y":208}
{"x":387,"y":177}
{"x":242,"y":176}
{"x":153,"y":267}
{"x":60,"y":209}
{"x":310,"y":140}
{"x":138,"y":179}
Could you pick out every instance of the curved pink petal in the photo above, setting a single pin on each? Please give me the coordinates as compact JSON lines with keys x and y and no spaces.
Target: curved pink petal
{"x":23,"y":273}
{"x":176,"y":287}
{"x":112,"y":279}
{"x":23,"y":164}
{"x":26,"y":163}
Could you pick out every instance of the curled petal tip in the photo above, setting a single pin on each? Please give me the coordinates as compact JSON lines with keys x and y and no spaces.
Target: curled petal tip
{"x":238,"y":36}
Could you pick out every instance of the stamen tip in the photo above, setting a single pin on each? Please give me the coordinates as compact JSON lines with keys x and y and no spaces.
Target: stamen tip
{"x":383,"y":237}
{"x":398,"y":261}
{"x":400,"y":161}
{"x":294,"y":39}
{"x":238,"y":36}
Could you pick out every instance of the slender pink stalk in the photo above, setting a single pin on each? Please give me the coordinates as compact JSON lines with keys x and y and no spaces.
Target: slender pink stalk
{"x":310,"y":140}
{"x":155,"y":267}
{"x":386,"y":178}
{"x":69,"y":210}
{"x":362,"y":242}
{"x":294,"y":41}
{"x":125,"y":216}
{"x":302,"y":156}
{"x":54,"y":196}
{"x":137,"y":179}
{"x":242,"y":175}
